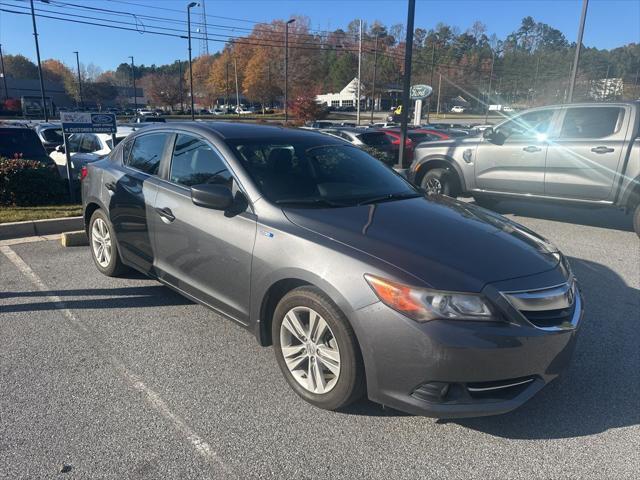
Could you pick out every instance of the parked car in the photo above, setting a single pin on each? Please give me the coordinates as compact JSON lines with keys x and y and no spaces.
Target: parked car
{"x":318,"y":125}
{"x":50,"y":135}
{"x":363,"y":284}
{"x":364,"y":137}
{"x":143,"y":112}
{"x":149,"y":119}
{"x":414,"y":137}
{"x":587,"y":153}
{"x":22,"y":142}
{"x":86,"y":148}
{"x":384,"y":125}
{"x":457,"y":109}
{"x":241,"y":110}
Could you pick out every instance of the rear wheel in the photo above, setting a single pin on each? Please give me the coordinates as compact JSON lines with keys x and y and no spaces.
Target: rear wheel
{"x":439,"y":181}
{"x":316,"y":349}
{"x":636,"y":220}
{"x":104,"y":249}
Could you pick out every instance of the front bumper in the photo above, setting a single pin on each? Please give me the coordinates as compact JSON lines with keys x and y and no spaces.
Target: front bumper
{"x":452,"y":369}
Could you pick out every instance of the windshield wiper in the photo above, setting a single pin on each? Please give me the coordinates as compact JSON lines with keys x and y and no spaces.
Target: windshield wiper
{"x":389,"y":197}
{"x":310,"y":201}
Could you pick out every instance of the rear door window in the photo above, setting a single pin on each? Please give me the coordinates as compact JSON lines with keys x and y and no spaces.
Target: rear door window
{"x":375,"y":139}
{"x":146,"y":152}
{"x":90,"y":143}
{"x":591,"y":122}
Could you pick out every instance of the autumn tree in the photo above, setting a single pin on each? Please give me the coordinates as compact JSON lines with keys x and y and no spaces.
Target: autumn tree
{"x":221,"y":76}
{"x":19,"y":67}
{"x":162,"y":88}
{"x":258,"y":82}
{"x":56,"y":71}
{"x":204,"y":92}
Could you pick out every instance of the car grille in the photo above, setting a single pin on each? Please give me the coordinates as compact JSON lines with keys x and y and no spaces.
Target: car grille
{"x":552,"y":308}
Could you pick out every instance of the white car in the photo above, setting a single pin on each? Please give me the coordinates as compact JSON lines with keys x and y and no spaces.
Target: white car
{"x":507,"y":109}
{"x":457,"y":109}
{"x":144,"y":112}
{"x":245,"y":110}
{"x":85,"y":148}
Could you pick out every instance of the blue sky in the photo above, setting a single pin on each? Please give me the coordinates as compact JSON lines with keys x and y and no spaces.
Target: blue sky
{"x":610,"y":23}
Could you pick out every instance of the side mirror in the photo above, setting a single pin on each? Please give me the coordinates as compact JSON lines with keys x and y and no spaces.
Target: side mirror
{"x":488,"y":133}
{"x":59,"y":148}
{"x":210,"y":195}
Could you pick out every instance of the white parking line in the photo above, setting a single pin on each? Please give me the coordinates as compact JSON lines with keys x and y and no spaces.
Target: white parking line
{"x":153,"y":399}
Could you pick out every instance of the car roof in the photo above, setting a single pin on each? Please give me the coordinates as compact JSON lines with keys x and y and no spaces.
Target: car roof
{"x":239,"y":131}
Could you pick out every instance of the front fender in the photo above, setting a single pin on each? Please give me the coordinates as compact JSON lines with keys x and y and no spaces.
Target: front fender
{"x":437,"y":161}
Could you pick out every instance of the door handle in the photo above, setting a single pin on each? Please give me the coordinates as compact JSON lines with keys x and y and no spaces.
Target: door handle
{"x":532,"y":149}
{"x":110,"y":186}
{"x":602,"y":149}
{"x":166,"y":214}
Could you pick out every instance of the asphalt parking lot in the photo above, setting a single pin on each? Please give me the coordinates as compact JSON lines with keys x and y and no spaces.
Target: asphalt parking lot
{"x":123,"y":378}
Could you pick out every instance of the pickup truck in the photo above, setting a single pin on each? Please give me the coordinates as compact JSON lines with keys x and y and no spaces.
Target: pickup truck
{"x":586,"y":153}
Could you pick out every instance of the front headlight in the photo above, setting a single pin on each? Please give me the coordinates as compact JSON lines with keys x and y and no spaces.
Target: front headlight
{"x":422,"y":304}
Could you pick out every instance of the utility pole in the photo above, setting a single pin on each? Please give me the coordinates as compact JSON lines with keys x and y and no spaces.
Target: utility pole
{"x":373,"y":85}
{"x":439,"y":88}
{"x":133,"y":78}
{"x":406,"y":84}
{"x":4,"y":76}
{"x":359,"y":74}
{"x":535,"y":79}
{"x":286,"y":69}
{"x":576,"y":59}
{"x":235,"y":71}
{"x":226,"y":87}
{"x":189,"y":7}
{"x":79,"y":79}
{"x":433,"y":67}
{"x":35,"y":35}
{"x":181,"y":86}
{"x":606,"y":84}
{"x":486,"y":113}
{"x":204,"y":41}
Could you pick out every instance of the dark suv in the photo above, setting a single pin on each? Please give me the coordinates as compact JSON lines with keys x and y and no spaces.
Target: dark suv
{"x":23,"y":142}
{"x":361,"y":282}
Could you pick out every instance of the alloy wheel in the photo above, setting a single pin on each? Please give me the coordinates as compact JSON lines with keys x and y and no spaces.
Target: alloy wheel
{"x":434,"y":186}
{"x":310,"y":350}
{"x":101,"y":242}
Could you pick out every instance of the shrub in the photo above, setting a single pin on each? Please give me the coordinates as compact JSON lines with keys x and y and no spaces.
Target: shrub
{"x":29,"y":182}
{"x":305,"y":108}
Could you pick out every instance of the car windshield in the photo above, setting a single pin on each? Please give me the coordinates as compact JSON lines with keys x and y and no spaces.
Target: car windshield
{"x":301,"y":173}
{"x":52,"y":135}
{"x":21,"y":142}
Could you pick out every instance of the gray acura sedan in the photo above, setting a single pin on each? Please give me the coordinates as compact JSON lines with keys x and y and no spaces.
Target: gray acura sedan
{"x":363,"y":284}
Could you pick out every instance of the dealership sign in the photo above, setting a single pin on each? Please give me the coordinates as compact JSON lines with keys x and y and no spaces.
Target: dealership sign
{"x":420,"y":92}
{"x":86,"y":122}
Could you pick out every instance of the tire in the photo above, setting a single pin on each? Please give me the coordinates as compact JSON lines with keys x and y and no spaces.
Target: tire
{"x":101,"y":233}
{"x":636,"y":220}
{"x":339,"y":390}
{"x":439,"y":181}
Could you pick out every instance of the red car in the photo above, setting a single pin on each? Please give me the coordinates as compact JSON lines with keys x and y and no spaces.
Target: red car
{"x":414,"y":137}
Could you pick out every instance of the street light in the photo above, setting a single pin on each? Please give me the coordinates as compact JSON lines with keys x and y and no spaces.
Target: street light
{"x":493,"y":60}
{"x":4,"y":76}
{"x":79,"y":80}
{"x":35,"y":35}
{"x":189,"y":7}
{"x":133,"y":77}
{"x":286,"y":69}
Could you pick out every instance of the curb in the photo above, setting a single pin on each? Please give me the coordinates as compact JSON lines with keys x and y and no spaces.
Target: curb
{"x":74,"y":239}
{"x":38,"y":228}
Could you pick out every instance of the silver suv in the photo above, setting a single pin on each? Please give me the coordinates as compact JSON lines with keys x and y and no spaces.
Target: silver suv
{"x":587,"y":153}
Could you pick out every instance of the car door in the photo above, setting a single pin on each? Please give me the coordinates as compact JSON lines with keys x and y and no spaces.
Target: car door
{"x":89,"y":150}
{"x":73,"y":144}
{"x":132,"y":187}
{"x":205,"y":253}
{"x":512,"y":158}
{"x":584,"y":158}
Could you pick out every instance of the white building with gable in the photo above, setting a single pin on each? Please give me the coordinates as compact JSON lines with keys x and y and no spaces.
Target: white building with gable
{"x":345,"y":98}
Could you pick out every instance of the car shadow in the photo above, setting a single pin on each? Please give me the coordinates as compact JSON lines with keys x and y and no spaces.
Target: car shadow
{"x":601,"y":389}
{"x":124,"y":297}
{"x":609,"y":217}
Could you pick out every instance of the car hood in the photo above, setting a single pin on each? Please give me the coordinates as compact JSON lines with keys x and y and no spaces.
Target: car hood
{"x":449,"y":245}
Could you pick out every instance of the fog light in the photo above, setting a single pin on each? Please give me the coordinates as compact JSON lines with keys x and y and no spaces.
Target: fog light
{"x":431,"y":391}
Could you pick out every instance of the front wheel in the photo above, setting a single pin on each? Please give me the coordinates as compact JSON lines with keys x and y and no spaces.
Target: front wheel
{"x":316,"y":349}
{"x":439,"y":181}
{"x":636,"y":220}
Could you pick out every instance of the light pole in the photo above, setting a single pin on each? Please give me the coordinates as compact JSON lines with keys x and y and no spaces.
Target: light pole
{"x":493,"y":60}
{"x":576,"y":59}
{"x":4,"y":76}
{"x":406,"y":84}
{"x":181,"y":87}
{"x":286,"y":69}
{"x":133,"y":78}
{"x":189,"y":7}
{"x":373,"y":85}
{"x":35,"y":35}
{"x":79,"y":80}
